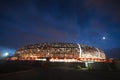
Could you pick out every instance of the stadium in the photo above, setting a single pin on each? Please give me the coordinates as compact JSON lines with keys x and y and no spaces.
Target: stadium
{"x":60,"y":52}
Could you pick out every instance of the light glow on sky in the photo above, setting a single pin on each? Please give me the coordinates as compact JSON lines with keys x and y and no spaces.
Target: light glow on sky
{"x":103,"y":38}
{"x":6,"y":54}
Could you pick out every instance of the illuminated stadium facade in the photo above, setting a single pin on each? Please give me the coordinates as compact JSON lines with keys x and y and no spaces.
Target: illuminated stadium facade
{"x":60,"y":52}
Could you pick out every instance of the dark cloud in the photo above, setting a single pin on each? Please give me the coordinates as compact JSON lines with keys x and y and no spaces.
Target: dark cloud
{"x":113,"y":53}
{"x":24,"y":22}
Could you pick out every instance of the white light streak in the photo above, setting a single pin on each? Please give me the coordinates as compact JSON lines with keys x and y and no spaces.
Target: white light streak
{"x":80,"y":50}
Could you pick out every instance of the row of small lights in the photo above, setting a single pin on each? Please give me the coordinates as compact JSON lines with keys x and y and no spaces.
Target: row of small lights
{"x":74,"y":60}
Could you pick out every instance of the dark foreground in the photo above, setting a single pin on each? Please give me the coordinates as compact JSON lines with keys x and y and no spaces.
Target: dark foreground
{"x":60,"y":74}
{"x":36,"y":70}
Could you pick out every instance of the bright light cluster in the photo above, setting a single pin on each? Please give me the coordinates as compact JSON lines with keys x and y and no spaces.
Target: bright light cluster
{"x":63,"y":60}
{"x":72,"y":60}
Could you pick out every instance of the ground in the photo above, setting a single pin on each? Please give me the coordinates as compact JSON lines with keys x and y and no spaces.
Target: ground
{"x":38,"y":73}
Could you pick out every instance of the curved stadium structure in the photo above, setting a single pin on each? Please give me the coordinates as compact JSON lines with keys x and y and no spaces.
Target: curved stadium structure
{"x":60,"y":52}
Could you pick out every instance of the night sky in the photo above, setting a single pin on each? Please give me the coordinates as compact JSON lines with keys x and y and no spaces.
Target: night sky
{"x":91,"y":22}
